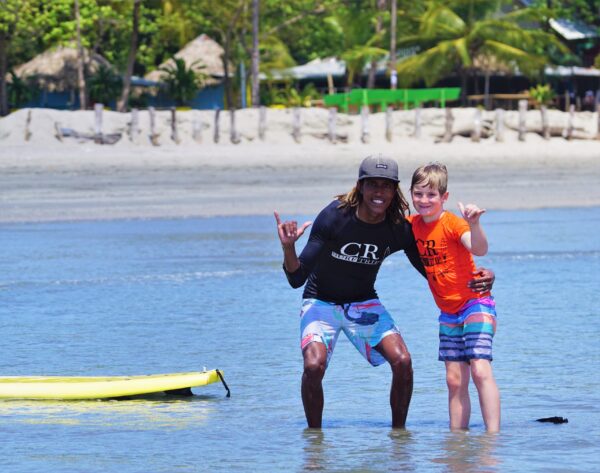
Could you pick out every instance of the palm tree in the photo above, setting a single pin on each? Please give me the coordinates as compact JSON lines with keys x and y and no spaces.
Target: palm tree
{"x":455,"y":35}
{"x":133,"y":45}
{"x":361,"y":43}
{"x":183,"y":82}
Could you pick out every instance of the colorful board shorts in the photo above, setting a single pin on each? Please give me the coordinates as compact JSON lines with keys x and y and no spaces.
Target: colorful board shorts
{"x":468,"y":334}
{"x":365,"y":324}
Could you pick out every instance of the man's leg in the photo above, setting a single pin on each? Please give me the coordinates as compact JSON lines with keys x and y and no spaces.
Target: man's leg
{"x":394,"y":350}
{"x":315,"y":363}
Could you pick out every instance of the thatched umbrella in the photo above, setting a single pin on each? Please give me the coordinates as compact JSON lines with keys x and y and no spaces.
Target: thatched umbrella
{"x":56,"y":69}
{"x":203,"y":54}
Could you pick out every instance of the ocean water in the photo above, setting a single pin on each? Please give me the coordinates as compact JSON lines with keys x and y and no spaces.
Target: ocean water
{"x":158,"y":296}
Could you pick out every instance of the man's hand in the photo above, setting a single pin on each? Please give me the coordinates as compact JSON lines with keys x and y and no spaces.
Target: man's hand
{"x":483,"y":280}
{"x":288,"y":231}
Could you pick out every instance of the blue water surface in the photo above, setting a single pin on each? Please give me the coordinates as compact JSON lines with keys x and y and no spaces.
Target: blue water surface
{"x":154,"y":296}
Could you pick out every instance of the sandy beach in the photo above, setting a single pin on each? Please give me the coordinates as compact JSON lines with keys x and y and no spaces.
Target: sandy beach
{"x":44,"y":179}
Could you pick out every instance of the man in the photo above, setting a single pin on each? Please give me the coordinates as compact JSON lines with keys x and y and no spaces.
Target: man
{"x":349,"y":240}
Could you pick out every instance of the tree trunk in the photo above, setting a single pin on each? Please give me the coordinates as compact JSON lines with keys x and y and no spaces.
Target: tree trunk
{"x":124,"y":100}
{"x":486,"y":90}
{"x":255,"y":55}
{"x":3,"y":91}
{"x":80,"y":59}
{"x":463,"y":87}
{"x":394,"y":14}
{"x":378,"y":28}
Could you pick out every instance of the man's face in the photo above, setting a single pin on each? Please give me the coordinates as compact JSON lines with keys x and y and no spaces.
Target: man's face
{"x":377,"y":194}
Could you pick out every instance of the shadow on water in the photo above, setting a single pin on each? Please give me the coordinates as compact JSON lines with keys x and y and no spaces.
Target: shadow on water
{"x":145,"y":412}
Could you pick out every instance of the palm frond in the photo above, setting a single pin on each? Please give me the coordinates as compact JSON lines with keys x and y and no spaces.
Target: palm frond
{"x":441,"y":22}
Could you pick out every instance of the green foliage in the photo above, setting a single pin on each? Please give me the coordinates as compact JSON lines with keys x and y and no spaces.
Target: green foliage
{"x":19,"y":91}
{"x":455,"y":35}
{"x":182,"y":82}
{"x":289,"y":96}
{"x":542,"y":94}
{"x":587,"y":11}
{"x":104,"y":86}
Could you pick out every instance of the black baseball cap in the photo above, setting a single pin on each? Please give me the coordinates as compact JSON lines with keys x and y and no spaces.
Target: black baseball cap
{"x":378,"y":166}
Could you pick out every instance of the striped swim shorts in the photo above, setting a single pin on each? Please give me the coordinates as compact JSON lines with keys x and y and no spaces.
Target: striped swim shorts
{"x":468,"y":334}
{"x":365,"y":324}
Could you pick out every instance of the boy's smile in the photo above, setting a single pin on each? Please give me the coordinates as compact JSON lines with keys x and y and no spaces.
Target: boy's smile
{"x":428,"y":202}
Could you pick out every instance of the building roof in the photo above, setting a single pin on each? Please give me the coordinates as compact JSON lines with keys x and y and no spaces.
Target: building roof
{"x":56,"y":68}
{"x":573,"y":30}
{"x":203,"y":54}
{"x":315,"y":69}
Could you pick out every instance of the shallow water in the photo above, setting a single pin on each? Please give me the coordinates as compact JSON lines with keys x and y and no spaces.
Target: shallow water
{"x":152,"y":296}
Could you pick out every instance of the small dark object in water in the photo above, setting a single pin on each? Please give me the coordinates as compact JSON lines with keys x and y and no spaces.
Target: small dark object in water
{"x":554,"y":420}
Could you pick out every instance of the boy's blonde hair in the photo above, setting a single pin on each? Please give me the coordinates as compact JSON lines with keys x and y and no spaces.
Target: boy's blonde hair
{"x":434,"y":175}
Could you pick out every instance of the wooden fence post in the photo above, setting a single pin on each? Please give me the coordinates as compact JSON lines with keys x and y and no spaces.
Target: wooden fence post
{"x":98,"y":108}
{"x":134,"y":126}
{"x":476,"y":133}
{"x":174,"y":132}
{"x":331,"y":131}
{"x":296,"y":121}
{"x":153,"y":134}
{"x":570,"y":123}
{"x":197,"y":127}
{"x":262,"y":122}
{"x":499,"y":124}
{"x":418,"y":122}
{"x":389,"y":119}
{"x":522,"y":119}
{"x":216,"y":127}
{"x":545,"y":126}
{"x":27,"y":125}
{"x":448,"y":126}
{"x":234,"y":137}
{"x":364,"y":115}
{"x":598,"y":112}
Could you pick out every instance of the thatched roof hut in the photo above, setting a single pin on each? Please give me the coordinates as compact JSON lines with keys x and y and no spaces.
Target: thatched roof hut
{"x":56,"y":68}
{"x":203,"y":54}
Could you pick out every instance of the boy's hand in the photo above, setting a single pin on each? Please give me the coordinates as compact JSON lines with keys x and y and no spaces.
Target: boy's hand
{"x":470,"y":212}
{"x":288,"y":231}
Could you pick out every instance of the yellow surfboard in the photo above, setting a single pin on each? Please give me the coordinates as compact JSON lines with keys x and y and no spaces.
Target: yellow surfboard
{"x":102,"y":387}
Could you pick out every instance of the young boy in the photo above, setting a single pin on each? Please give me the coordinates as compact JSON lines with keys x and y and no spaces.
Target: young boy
{"x":468,"y":319}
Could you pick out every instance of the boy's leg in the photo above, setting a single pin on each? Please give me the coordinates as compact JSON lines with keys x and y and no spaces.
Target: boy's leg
{"x":459,"y":402}
{"x":489,"y":395}
{"x":480,"y":327}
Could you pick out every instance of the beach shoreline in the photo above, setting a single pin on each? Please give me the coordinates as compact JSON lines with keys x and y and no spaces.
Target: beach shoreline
{"x":47,"y":180}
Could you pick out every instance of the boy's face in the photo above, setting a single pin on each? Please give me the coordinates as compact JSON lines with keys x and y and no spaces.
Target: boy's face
{"x":428,"y":201}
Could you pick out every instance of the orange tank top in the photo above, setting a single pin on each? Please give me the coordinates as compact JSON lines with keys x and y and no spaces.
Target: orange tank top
{"x":449,"y":265}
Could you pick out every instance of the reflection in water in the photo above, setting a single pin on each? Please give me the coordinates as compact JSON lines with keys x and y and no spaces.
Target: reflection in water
{"x":465,"y":452}
{"x":142,"y":413}
{"x":402,"y":450}
{"x":315,"y":450}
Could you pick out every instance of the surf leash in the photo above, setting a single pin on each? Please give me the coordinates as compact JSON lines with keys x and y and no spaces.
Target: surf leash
{"x":224,"y":383}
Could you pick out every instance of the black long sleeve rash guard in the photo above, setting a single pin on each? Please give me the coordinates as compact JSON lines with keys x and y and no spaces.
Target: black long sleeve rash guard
{"x":343,"y":255}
